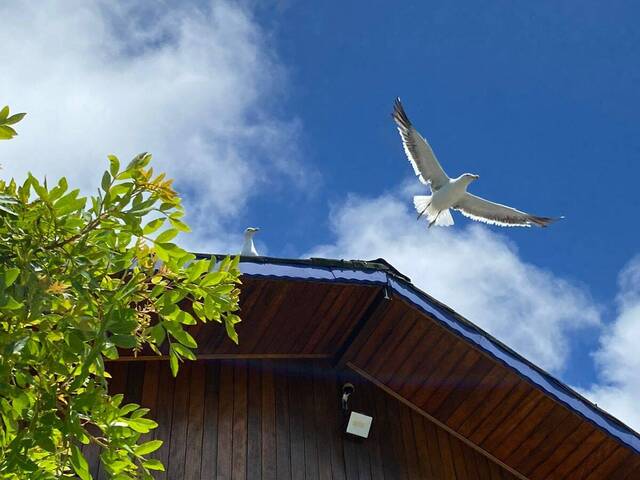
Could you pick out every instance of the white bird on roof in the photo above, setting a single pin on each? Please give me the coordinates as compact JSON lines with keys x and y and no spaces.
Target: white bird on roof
{"x":451,"y":193}
{"x":249,"y":249}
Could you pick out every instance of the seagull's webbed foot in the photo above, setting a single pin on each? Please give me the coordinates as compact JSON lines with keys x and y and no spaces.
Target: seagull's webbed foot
{"x":424,"y":210}
{"x":434,"y":220}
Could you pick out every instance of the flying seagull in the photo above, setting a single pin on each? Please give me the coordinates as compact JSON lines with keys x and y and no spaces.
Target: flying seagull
{"x":249,"y":249}
{"x":451,"y":193}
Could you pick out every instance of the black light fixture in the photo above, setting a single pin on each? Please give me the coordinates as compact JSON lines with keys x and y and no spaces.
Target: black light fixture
{"x":347,"y":390}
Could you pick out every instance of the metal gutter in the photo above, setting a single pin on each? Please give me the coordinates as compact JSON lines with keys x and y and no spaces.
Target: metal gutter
{"x":379,"y":272}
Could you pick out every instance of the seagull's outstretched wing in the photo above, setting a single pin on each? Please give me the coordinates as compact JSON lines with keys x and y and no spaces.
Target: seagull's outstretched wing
{"x":424,"y":162}
{"x":485,"y":211}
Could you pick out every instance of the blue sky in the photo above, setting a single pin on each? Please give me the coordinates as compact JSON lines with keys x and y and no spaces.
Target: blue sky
{"x":540,"y":99}
{"x":277,"y":115}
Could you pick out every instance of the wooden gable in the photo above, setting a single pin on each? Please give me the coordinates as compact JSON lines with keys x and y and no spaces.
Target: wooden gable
{"x":367,"y":319}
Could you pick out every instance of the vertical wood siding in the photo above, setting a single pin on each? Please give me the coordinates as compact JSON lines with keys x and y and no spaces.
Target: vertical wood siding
{"x":282,"y":420}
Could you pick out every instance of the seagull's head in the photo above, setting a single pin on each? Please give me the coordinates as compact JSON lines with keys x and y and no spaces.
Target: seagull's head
{"x":470,"y":177}
{"x":250,"y":231}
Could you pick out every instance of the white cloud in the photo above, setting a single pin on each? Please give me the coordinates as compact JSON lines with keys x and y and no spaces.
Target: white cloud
{"x":479,"y":273}
{"x":617,"y":359}
{"x":194,"y":86}
{"x":473,"y":270}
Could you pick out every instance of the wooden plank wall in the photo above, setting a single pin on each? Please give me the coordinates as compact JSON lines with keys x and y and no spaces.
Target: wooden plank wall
{"x":282,"y":419}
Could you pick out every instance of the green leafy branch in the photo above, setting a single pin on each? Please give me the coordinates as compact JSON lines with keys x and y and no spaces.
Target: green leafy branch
{"x":7,"y":132}
{"x":81,"y":279}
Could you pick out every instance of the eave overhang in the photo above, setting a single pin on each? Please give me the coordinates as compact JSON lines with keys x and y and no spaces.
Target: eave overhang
{"x":383,"y":275}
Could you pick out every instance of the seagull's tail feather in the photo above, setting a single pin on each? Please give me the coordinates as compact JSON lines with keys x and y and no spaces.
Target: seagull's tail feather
{"x":543,"y":221}
{"x":423,"y":207}
{"x":444,"y":218}
{"x":422,"y":203}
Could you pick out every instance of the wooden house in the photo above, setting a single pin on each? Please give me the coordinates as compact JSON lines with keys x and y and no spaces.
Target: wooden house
{"x":445,"y":399}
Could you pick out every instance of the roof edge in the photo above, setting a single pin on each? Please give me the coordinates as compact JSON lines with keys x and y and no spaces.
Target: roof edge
{"x":380,"y":272}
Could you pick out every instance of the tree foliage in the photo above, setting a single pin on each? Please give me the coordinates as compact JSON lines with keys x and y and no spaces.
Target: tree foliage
{"x":7,"y":132}
{"x":81,"y":278}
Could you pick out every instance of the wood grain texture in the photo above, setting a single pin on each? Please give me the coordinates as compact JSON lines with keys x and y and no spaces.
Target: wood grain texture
{"x":179,"y":424}
{"x":316,"y":316}
{"x":268,"y":423}
{"x":195,"y":426}
{"x":283,"y":420}
{"x":239,"y":432}
{"x":208,"y":468}
{"x":225,"y":421}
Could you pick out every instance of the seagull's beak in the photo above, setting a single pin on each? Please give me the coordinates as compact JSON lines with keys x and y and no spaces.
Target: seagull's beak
{"x":476,"y":177}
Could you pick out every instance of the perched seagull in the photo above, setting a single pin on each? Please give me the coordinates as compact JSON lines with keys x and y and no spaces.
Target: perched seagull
{"x":249,"y":249}
{"x":452,"y":193}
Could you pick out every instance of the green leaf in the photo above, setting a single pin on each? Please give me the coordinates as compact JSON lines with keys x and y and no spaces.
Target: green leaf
{"x":123,"y":341}
{"x":44,"y":441}
{"x":124,"y":324}
{"x":163,"y":253}
{"x":110,"y":351}
{"x":183,"y":337}
{"x":141,"y":412}
{"x":10,"y":276}
{"x":197,"y":268}
{"x":80,"y":464}
{"x":69,"y":203}
{"x":153,"y":464}
{"x":20,"y":403}
{"x":106,"y":181}
{"x":179,"y":224}
{"x":225,"y":264}
{"x":158,"y":333}
{"x":128,"y":408}
{"x":75,"y":340}
{"x":210,"y":308}
{"x":212,"y":278}
{"x":39,"y":189}
{"x":59,"y":189}
{"x":198,"y":309}
{"x":120,"y":189}
{"x":167,"y":235}
{"x":10,"y":303}
{"x":153,"y":225}
{"x":185,"y":318}
{"x":147,"y":447}
{"x":6,"y":132}
{"x":231,"y":332}
{"x":173,"y":363}
{"x":172,"y":251}
{"x":15,"y":118}
{"x":141,"y":425}
{"x":183,"y":351}
{"x":114,"y":165}
{"x":4,"y":113}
